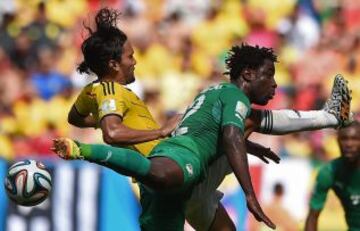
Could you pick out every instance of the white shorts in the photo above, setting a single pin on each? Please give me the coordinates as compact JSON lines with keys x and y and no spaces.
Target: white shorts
{"x":201,"y":208}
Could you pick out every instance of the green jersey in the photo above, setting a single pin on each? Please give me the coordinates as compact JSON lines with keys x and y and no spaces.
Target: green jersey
{"x":345,"y":182}
{"x":193,"y":146}
{"x":201,"y":126}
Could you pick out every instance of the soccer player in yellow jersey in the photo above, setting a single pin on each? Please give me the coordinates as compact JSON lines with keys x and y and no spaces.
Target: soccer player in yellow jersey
{"x":107,"y":103}
{"x":125,"y":120}
{"x":118,"y":107}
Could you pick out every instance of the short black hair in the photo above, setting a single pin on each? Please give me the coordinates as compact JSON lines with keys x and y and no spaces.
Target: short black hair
{"x":103,"y":44}
{"x":245,"y":56}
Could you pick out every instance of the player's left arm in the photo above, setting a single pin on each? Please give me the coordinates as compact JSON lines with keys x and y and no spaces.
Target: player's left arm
{"x":252,"y":124}
{"x":112,"y":110}
{"x":261,"y":152}
{"x":81,"y":121}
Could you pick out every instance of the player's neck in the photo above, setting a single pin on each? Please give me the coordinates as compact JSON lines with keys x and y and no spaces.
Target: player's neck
{"x":277,"y":198}
{"x":353,"y":164}
{"x":243,"y":86}
{"x":110,"y":78}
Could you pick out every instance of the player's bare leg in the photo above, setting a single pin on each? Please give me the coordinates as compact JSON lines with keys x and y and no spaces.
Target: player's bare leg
{"x":222,"y":221}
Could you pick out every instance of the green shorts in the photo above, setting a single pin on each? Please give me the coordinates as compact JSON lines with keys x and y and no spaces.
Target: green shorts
{"x":165,"y":211}
{"x":162,"y":212}
{"x":185,"y":158}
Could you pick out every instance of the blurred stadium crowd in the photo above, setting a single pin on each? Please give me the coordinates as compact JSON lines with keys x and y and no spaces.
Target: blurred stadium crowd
{"x":180,"y":49}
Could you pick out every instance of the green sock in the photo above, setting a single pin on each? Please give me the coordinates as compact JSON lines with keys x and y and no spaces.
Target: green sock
{"x":124,"y":161}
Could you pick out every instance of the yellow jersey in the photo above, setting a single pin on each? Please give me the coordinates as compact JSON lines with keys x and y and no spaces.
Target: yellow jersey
{"x":110,"y":98}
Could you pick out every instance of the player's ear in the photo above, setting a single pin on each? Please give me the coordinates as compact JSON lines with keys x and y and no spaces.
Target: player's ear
{"x":114,"y":65}
{"x":247,"y":74}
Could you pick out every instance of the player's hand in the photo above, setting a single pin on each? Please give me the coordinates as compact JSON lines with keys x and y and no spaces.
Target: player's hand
{"x":255,"y":209}
{"x":268,"y":153}
{"x":170,"y":125}
{"x":261,"y":152}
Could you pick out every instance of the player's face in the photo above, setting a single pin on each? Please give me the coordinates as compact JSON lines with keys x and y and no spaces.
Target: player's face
{"x":349,"y":143}
{"x":264,"y":84}
{"x":127,"y":64}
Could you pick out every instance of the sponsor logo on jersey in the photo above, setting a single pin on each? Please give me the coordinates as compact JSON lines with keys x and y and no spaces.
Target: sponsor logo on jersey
{"x":241,"y":110}
{"x":108,"y":106}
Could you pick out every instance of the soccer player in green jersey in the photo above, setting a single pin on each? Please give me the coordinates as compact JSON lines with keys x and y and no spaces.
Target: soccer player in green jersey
{"x":245,"y":59}
{"x":343,"y":176}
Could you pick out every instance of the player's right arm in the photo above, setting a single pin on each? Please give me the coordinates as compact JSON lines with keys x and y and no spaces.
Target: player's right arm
{"x":235,"y":110}
{"x":234,"y":146}
{"x":323,"y":183}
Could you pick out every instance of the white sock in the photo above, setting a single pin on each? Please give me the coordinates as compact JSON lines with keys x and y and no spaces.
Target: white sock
{"x":278,"y":122}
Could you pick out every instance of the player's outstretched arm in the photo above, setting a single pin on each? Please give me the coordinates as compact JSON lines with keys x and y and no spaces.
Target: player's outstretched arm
{"x":234,"y":144}
{"x":261,"y":152}
{"x":116,"y":133}
{"x":312,"y":220}
{"x":81,"y":121}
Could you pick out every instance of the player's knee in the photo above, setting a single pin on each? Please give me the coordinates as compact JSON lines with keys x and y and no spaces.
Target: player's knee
{"x":157,"y":175}
{"x":163,"y":178}
{"x":160,"y":178}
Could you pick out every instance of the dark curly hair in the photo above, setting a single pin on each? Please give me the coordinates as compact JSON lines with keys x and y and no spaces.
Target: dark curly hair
{"x":103,"y":44}
{"x":246,"y":56}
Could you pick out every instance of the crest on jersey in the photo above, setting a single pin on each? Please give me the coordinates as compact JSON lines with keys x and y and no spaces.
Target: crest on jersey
{"x":108,"y":106}
{"x":241,"y":110}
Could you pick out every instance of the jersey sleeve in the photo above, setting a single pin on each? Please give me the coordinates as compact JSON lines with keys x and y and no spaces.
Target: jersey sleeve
{"x":236,"y":108}
{"x":112,"y":99}
{"x":324,"y":181}
{"x":81,"y":104}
